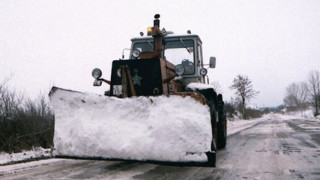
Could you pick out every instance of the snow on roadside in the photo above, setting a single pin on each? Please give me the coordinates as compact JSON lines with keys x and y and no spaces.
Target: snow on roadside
{"x":6,"y":158}
{"x":238,"y":125}
{"x":306,"y":114}
{"x":13,"y":168}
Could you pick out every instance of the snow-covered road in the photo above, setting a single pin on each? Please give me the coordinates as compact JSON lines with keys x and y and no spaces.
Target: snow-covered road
{"x":273,"y":147}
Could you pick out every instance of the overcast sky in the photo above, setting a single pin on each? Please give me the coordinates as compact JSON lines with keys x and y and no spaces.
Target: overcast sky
{"x":45,"y":43}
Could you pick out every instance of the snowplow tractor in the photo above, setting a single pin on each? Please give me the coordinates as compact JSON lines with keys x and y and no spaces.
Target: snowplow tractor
{"x":159,"y":107}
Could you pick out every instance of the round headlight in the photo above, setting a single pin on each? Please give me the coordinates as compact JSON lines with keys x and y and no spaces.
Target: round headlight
{"x":96,"y":73}
{"x":203,"y":71}
{"x":179,"y":69}
{"x":136,"y":53}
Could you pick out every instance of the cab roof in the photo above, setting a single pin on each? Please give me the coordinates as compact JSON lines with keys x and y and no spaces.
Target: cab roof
{"x":168,"y":36}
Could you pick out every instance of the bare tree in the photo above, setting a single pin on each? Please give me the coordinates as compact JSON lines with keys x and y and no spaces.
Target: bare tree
{"x":9,"y":100}
{"x":24,"y":123}
{"x":3,"y":92}
{"x":244,"y":90}
{"x":314,"y":90}
{"x":297,"y":95}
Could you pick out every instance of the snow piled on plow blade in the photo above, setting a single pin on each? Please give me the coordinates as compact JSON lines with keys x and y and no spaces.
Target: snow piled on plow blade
{"x":173,"y":129}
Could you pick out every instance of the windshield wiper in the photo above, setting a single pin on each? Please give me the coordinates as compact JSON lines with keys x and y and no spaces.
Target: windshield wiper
{"x":150,"y":44}
{"x":185,"y":46}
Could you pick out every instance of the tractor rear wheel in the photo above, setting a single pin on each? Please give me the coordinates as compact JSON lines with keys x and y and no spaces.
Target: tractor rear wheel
{"x":221,"y":125}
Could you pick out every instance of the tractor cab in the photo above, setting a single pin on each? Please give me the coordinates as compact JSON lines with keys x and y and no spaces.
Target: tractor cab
{"x":183,"y":51}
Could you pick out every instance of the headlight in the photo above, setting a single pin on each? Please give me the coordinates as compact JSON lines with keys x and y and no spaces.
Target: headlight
{"x":96,"y":73}
{"x":179,"y":69}
{"x":203,"y":71}
{"x":136,"y":53}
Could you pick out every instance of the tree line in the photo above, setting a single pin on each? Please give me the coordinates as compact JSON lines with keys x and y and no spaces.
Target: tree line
{"x":300,"y":95}
{"x":24,"y":123}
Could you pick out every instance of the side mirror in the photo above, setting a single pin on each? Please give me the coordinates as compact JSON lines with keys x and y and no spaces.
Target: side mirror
{"x":212,"y":62}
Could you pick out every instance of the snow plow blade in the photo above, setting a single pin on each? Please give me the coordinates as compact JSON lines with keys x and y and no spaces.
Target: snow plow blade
{"x":162,"y":128}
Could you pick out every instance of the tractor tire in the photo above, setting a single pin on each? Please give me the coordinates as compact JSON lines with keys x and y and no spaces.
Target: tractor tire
{"x":212,"y":155}
{"x":221,"y":137}
{"x":211,"y":97}
{"x":221,"y":125}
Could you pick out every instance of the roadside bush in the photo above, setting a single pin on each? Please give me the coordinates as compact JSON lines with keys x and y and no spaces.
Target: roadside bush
{"x":252,"y":113}
{"x":230,"y":110}
{"x":24,"y":124}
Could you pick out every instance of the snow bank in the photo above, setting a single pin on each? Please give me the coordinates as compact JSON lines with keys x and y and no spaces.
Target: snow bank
{"x":14,"y":168}
{"x":155,"y":128}
{"x":238,"y":125}
{"x":308,"y":113}
{"x":6,"y":158}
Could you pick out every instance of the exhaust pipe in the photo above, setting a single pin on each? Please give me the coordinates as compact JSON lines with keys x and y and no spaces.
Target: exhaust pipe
{"x":157,"y":34}
{"x":156,"y":22}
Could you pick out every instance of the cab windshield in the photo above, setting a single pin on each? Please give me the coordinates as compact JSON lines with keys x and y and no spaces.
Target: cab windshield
{"x":177,"y":51}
